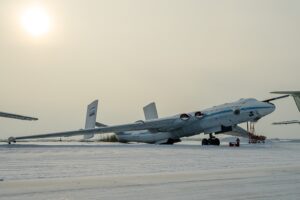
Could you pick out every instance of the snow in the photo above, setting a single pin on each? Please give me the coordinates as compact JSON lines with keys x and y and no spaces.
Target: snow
{"x":57,"y":170}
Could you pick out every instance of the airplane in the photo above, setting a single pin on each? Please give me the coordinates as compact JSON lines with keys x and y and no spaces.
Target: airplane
{"x":15,"y":116}
{"x":168,"y":130}
{"x":296,"y":96}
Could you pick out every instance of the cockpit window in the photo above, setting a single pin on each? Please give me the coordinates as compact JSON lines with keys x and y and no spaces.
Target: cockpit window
{"x":247,"y":100}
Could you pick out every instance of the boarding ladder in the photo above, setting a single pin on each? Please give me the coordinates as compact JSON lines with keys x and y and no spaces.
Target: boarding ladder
{"x":254,"y":138}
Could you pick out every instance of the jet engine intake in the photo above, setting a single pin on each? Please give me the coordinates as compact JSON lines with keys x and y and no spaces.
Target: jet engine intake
{"x":184,"y":117}
{"x":199,"y":114}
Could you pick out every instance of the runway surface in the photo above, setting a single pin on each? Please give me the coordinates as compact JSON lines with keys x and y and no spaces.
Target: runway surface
{"x":140,"y":171}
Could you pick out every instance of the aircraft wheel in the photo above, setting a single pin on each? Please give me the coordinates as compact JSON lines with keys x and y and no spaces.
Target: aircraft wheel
{"x":204,"y":141}
{"x":216,"y":141}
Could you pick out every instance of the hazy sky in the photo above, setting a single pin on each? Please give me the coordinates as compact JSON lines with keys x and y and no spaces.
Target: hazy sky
{"x":186,"y":55}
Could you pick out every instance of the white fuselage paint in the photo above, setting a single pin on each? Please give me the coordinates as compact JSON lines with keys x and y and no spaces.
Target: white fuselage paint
{"x":212,"y":121}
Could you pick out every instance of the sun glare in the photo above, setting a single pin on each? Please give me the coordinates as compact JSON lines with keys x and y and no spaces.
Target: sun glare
{"x":36,"y":21}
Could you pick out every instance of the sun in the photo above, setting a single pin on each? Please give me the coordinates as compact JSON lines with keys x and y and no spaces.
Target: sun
{"x":35,"y":20}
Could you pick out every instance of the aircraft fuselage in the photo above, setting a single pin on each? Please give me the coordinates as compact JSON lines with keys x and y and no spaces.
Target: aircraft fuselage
{"x":217,"y":119}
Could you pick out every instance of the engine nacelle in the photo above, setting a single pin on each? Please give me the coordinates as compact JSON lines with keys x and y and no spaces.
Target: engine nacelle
{"x":199,"y":114}
{"x":184,"y":117}
{"x":140,"y":122}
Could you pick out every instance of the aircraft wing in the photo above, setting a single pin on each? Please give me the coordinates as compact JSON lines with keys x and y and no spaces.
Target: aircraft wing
{"x":238,"y":131}
{"x":287,"y":122}
{"x":15,"y":116}
{"x":163,"y":124}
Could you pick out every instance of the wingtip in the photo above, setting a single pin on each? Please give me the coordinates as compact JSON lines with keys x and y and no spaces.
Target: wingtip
{"x":32,"y":119}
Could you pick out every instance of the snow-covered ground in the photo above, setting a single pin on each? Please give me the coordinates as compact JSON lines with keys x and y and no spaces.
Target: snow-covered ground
{"x":140,"y":171}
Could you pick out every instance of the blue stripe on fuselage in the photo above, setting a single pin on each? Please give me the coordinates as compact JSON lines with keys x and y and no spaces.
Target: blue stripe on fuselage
{"x":230,"y":110}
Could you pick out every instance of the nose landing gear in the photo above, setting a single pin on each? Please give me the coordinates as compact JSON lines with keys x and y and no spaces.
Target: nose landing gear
{"x":212,"y":140}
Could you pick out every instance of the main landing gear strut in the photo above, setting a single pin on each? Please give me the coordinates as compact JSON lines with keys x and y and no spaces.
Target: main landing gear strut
{"x":212,"y":140}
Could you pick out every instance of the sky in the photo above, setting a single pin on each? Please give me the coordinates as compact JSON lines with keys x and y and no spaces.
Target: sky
{"x":185,"y":55}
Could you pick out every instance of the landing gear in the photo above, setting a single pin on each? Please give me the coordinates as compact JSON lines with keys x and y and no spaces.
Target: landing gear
{"x":204,"y":142}
{"x":172,"y":141}
{"x":11,"y":140}
{"x":211,"y":141}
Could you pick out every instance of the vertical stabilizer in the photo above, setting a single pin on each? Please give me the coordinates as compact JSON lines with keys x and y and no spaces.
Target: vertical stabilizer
{"x":90,"y":120}
{"x":297,"y":100}
{"x":150,"y":111}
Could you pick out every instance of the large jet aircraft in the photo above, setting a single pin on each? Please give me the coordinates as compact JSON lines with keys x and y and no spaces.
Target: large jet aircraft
{"x":168,"y":130}
{"x":15,"y":116}
{"x":296,"y":96}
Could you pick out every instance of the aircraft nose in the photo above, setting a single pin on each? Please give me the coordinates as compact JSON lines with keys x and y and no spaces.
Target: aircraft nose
{"x":268,"y":108}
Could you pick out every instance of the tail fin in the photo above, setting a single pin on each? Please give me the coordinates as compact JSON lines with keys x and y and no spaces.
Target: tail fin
{"x":297,"y":101}
{"x":150,"y":111}
{"x":90,"y":120}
